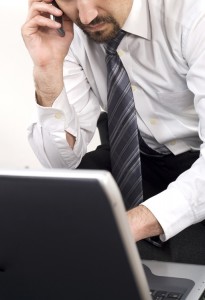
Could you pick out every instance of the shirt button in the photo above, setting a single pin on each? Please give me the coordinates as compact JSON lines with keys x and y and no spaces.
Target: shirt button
{"x":153,"y":121}
{"x":58,"y":115}
{"x":120,"y":52}
{"x":133,"y":88}
{"x":172,"y":143}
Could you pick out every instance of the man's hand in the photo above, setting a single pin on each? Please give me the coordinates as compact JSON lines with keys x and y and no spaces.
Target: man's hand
{"x":40,"y":35}
{"x":143,"y":223}
{"x":46,"y":48}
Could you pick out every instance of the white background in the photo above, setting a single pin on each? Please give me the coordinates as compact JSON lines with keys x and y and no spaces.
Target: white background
{"x":16,"y":89}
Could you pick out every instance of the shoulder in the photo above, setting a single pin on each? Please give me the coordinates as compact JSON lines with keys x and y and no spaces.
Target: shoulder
{"x":181,"y":12}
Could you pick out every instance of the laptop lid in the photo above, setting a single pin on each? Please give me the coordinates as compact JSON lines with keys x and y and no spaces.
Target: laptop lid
{"x":64,"y":235}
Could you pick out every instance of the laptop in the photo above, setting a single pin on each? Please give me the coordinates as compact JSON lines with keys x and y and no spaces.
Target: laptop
{"x":64,"y":235}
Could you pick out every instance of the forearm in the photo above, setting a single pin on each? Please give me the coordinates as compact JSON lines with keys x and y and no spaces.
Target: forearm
{"x":48,"y":83}
{"x":143,"y":223}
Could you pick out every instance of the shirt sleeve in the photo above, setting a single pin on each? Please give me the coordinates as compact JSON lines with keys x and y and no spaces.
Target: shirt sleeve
{"x":183,"y":203}
{"x":76,"y":111}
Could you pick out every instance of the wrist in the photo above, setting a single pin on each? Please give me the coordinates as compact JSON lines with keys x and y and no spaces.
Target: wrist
{"x":48,"y":84}
{"x":143,"y":223}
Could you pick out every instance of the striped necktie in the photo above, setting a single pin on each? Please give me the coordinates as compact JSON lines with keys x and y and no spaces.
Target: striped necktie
{"x":122,"y":127}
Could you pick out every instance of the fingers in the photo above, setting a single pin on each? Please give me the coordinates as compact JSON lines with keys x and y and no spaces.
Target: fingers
{"x":38,"y":17}
{"x":42,"y":22}
{"x":41,"y":8}
{"x":30,"y":2}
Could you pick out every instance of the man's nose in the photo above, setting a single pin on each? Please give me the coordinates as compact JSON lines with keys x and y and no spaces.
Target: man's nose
{"x":87,"y":11}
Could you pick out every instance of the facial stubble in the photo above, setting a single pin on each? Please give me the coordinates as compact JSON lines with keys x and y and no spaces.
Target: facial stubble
{"x":101,"y":36}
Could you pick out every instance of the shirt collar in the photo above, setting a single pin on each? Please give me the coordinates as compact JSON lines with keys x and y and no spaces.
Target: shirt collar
{"x":138,"y":21}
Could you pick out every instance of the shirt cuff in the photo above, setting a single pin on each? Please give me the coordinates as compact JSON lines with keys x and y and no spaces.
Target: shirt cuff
{"x":57,"y":120}
{"x":171,"y":210}
{"x":60,"y":116}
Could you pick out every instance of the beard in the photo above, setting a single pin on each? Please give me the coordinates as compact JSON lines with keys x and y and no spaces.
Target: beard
{"x":101,"y":36}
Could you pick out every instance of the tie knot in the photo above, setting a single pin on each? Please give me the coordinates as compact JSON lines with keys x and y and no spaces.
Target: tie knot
{"x":112,"y":45}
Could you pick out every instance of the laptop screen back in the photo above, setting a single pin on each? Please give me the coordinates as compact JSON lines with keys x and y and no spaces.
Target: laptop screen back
{"x":59,"y":240}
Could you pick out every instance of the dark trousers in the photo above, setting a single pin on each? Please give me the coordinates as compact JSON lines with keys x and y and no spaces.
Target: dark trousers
{"x":157,"y":172}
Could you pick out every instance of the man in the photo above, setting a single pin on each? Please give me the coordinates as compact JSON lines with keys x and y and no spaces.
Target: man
{"x":163,"y":53}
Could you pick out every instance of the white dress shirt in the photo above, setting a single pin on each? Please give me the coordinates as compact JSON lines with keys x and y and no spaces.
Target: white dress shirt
{"x":164,"y":55}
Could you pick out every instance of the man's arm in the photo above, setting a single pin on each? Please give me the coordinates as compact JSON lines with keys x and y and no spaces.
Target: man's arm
{"x":47,"y":50}
{"x":143,"y":223}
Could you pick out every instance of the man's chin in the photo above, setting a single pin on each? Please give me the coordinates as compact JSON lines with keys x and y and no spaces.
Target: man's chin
{"x":101,"y":30}
{"x":102,"y":36}
{"x":98,"y":36}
